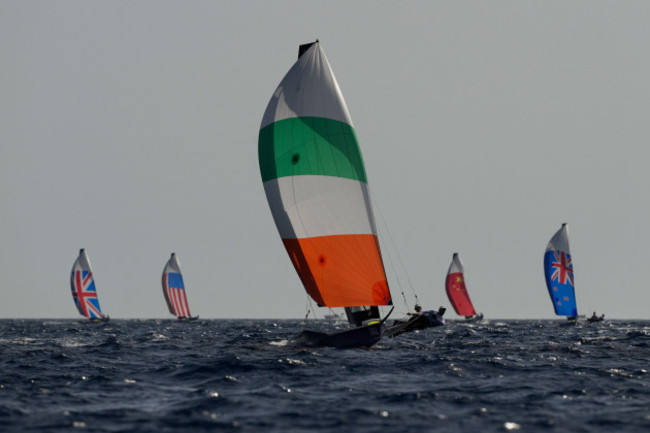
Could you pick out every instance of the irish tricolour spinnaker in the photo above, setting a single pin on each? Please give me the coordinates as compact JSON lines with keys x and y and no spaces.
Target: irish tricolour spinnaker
{"x":316,"y":186}
{"x":558,"y":270}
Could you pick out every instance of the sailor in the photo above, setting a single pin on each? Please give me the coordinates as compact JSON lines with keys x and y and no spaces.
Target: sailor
{"x":438,"y":315}
{"x":594,"y":316}
{"x":435,"y":317}
{"x":418,"y":311}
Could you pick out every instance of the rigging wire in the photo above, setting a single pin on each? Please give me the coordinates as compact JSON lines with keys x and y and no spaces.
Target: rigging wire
{"x":392,"y":242}
{"x":310,"y":310}
{"x":399,"y":283}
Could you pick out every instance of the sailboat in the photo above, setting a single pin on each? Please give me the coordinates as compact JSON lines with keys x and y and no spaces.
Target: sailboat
{"x":174,"y":290}
{"x":316,"y":187}
{"x":558,"y":271}
{"x":457,"y":291}
{"x":84,"y":293}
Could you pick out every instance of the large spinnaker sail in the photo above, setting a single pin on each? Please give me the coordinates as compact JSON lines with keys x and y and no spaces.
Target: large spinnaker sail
{"x":82,"y":284}
{"x":174,"y":289}
{"x":456,"y":290}
{"x":558,"y":270}
{"x":316,"y":186}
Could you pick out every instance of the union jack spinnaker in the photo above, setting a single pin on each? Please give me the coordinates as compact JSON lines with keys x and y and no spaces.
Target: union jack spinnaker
{"x":82,"y":284}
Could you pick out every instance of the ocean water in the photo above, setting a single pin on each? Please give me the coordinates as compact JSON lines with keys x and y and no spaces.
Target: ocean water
{"x":244,"y":376}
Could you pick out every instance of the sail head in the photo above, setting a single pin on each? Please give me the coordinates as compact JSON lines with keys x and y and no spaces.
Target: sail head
{"x":302,"y":49}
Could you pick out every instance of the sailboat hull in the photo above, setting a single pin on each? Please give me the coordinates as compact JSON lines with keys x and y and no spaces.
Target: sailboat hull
{"x":363,"y":336}
{"x":421,"y":321}
{"x":103,"y":319}
{"x":570,"y":321}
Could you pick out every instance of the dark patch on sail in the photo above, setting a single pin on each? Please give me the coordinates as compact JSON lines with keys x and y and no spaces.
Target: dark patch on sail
{"x":295,"y":158}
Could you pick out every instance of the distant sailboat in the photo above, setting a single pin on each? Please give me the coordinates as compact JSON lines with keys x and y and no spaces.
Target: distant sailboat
{"x":84,"y":293}
{"x":174,"y":290}
{"x":316,"y":186}
{"x":417,"y":321}
{"x":558,"y":271}
{"x":596,"y":318}
{"x":457,"y":291}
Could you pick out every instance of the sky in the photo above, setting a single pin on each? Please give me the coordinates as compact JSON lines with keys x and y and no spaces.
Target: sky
{"x":130,"y":129}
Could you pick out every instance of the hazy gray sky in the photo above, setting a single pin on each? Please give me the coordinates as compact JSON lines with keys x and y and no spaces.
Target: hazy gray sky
{"x":130,"y":129}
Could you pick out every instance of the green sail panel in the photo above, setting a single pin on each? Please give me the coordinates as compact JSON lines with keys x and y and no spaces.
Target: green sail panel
{"x":310,"y":146}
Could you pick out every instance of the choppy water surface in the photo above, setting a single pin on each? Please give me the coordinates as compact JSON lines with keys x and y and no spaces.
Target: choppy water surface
{"x":241,"y":375}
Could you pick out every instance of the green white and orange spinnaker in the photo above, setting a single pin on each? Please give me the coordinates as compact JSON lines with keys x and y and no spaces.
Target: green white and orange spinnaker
{"x":316,"y":186}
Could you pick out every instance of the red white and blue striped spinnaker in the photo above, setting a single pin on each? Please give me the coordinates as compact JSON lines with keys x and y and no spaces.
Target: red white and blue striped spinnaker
{"x":174,"y":289}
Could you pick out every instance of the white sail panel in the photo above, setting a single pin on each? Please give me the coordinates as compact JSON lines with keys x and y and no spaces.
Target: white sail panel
{"x":309,"y":89}
{"x":560,"y":240}
{"x":456,"y":265}
{"x":82,"y":263}
{"x":173,"y":265}
{"x":309,"y":206}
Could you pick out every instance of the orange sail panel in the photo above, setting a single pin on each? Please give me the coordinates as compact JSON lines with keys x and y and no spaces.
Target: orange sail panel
{"x":340,"y":270}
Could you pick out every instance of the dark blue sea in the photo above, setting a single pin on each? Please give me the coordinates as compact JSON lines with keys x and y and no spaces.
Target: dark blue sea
{"x":244,"y":376}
